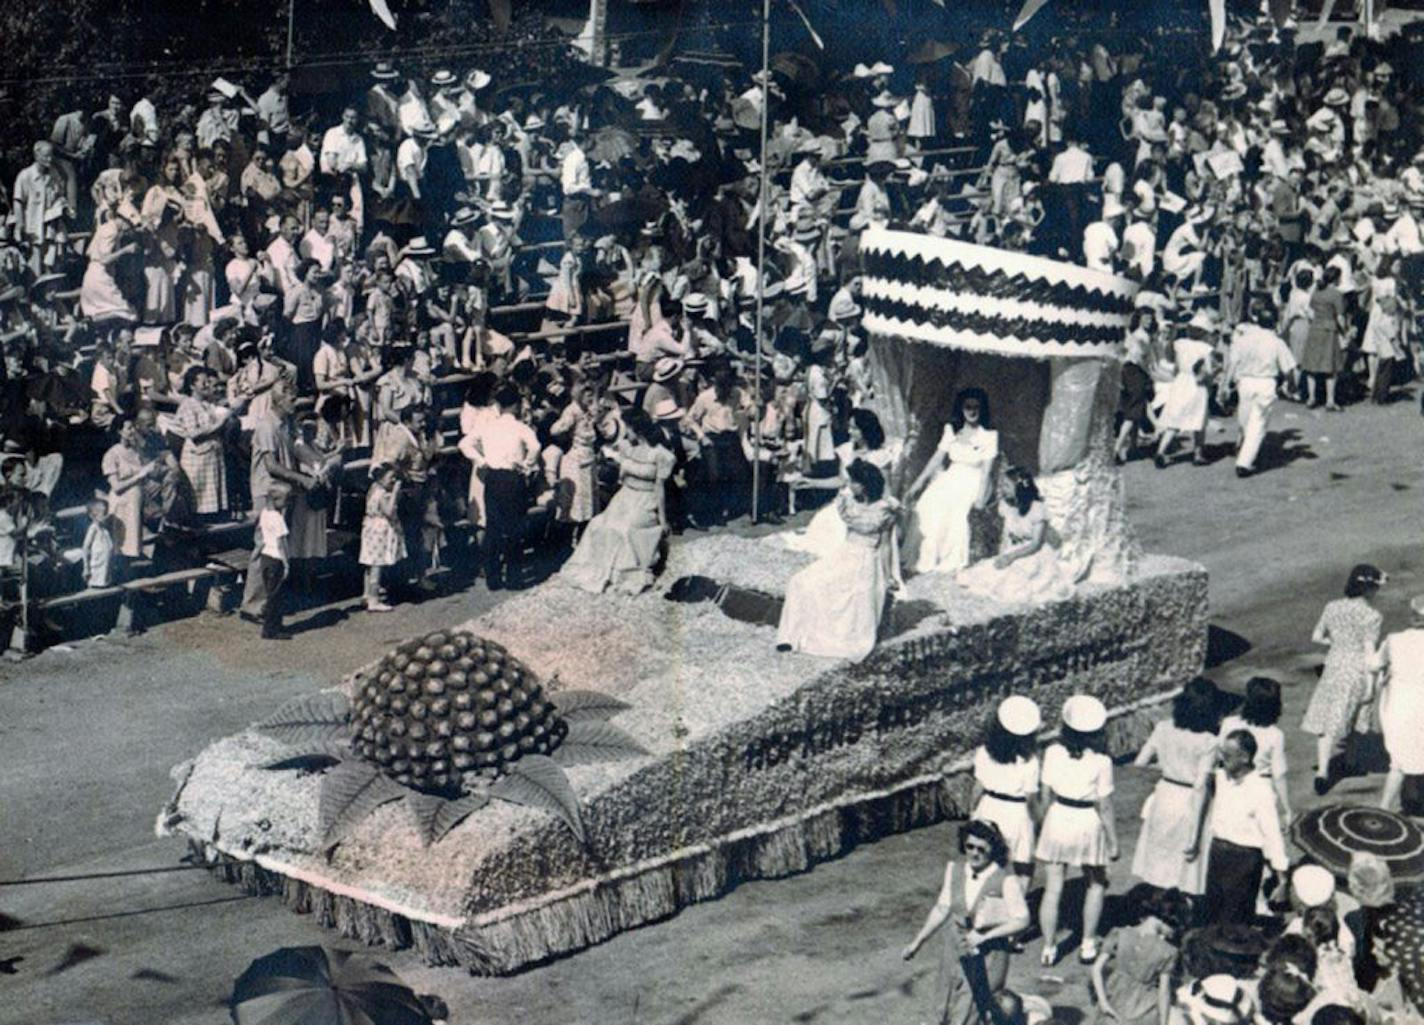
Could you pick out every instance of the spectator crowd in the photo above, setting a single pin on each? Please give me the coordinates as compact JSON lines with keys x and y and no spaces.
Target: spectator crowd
{"x":219,"y":310}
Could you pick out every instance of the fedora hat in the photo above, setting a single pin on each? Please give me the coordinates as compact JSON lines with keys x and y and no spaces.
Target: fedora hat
{"x":1020,"y":715}
{"x":667,"y":368}
{"x":1084,"y":713}
{"x":667,"y":409}
{"x":384,"y":72}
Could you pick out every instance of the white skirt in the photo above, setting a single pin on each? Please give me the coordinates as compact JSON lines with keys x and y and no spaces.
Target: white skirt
{"x":1167,"y":829}
{"x":1072,"y":836}
{"x":1014,"y":823}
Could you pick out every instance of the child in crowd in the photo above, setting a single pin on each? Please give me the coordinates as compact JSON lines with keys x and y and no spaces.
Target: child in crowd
{"x":98,"y":560}
{"x":272,"y":529}
{"x":382,"y":540}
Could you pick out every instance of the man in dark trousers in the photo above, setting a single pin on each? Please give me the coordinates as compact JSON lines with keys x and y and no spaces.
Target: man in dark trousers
{"x":504,"y":451}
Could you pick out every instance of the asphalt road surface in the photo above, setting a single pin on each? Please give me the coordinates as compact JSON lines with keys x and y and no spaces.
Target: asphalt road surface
{"x":102,"y":922}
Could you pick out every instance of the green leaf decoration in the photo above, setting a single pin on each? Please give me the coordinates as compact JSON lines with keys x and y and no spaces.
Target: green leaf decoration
{"x":537,"y":781}
{"x":349,"y":793}
{"x":434,"y":816}
{"x":315,"y":719}
{"x":595,"y":741}
{"x":312,"y":757}
{"x":586,"y":704}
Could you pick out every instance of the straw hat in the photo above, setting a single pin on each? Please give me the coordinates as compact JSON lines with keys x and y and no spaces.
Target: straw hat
{"x":1084,"y":713}
{"x":667,"y":368}
{"x":464,"y":215}
{"x":695,"y":304}
{"x":1233,"y":91}
{"x":443,"y":79}
{"x":881,"y":68}
{"x":1020,"y":715}
{"x":418,"y":247}
{"x":885,"y":99}
{"x":501,"y":211}
{"x":844,"y":308}
{"x":1312,"y":885}
{"x":475,"y":80}
{"x":1337,"y":97}
{"x":667,"y":409}
{"x":533,"y":123}
{"x":1217,"y":998}
{"x":384,"y":72}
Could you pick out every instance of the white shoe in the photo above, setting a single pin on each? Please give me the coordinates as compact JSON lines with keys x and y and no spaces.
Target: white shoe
{"x":377,"y":606}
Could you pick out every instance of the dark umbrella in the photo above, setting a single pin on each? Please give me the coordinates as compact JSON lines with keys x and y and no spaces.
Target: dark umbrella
{"x":319,"y":986}
{"x":797,"y":68}
{"x":931,"y":50}
{"x":1332,"y":834}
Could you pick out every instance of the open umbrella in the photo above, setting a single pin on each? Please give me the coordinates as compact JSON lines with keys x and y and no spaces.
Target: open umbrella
{"x":797,"y":68}
{"x":931,"y":50}
{"x":1331,"y":834}
{"x":320,"y":986}
{"x":611,"y":144}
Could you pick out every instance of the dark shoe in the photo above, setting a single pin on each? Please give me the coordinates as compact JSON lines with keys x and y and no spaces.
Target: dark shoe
{"x":1242,"y":471}
{"x":1159,"y":461}
{"x":1322,"y":786}
{"x":783,"y":647}
{"x":276,"y":635}
{"x":248,"y":617}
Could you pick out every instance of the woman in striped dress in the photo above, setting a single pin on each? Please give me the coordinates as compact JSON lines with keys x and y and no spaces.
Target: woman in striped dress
{"x":200,"y":422}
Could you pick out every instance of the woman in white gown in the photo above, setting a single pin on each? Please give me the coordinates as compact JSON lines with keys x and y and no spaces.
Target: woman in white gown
{"x":1029,"y":567}
{"x":953,"y":482}
{"x":833,"y":606}
{"x":827,"y":530}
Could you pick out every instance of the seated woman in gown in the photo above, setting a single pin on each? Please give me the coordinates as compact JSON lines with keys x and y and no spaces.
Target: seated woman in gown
{"x":620,"y":545}
{"x":954,"y":482}
{"x":833,"y":606}
{"x":1028,"y":567}
{"x":827,"y":530}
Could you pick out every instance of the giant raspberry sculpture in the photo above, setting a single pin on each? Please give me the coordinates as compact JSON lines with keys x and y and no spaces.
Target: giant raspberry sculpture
{"x":446,"y":721}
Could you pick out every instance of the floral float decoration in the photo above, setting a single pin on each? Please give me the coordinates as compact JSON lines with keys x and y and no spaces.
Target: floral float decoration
{"x":445,"y":723}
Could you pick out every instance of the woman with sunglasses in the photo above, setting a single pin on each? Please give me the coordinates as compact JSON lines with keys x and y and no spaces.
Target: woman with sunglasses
{"x":984,"y":904}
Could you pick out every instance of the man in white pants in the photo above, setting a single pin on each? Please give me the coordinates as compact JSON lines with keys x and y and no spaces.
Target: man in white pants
{"x":1256,"y":360}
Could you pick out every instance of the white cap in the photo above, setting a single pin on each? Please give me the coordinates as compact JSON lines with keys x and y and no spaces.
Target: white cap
{"x":1084,"y":713}
{"x":1020,"y":715}
{"x":1312,"y":885}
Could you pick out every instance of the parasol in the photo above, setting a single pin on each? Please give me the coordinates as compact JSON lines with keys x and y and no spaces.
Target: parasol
{"x":1331,"y":834}
{"x":320,"y":986}
{"x":1399,"y":936}
{"x":797,"y":68}
{"x":930,"y":51}
{"x":611,"y":144}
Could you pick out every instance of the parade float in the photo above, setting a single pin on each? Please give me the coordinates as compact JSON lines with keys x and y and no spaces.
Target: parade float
{"x":566,"y":767}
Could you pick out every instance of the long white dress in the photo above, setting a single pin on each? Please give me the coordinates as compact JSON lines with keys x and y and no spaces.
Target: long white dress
{"x":1402,"y":703}
{"x":1029,"y":579}
{"x":1007,"y":791}
{"x":833,"y":606}
{"x":827,"y":530}
{"x":1186,"y":760}
{"x":942,"y":513}
{"x":1074,"y":835}
{"x":1184,"y":401}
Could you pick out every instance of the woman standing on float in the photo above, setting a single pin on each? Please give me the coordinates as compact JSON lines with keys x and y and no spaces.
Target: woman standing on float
{"x":953,"y":482}
{"x":1006,"y":777}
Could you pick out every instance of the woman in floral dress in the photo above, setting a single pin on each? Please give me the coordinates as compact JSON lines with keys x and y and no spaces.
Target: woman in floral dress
{"x":1351,"y":627}
{"x":201,"y":423}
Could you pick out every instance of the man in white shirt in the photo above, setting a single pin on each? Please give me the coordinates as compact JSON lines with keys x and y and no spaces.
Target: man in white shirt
{"x":1071,"y":171}
{"x":411,"y":159}
{"x":343,"y":151}
{"x":1100,"y":239}
{"x":1245,"y":831}
{"x":809,"y":184}
{"x":504,"y":452}
{"x":272,"y":105}
{"x":282,"y":254}
{"x":1254,"y":363}
{"x":315,"y":244}
{"x":576,"y":182}
{"x":1139,"y":242}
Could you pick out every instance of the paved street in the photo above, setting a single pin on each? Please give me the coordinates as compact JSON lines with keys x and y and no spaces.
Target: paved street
{"x":104,"y":923}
